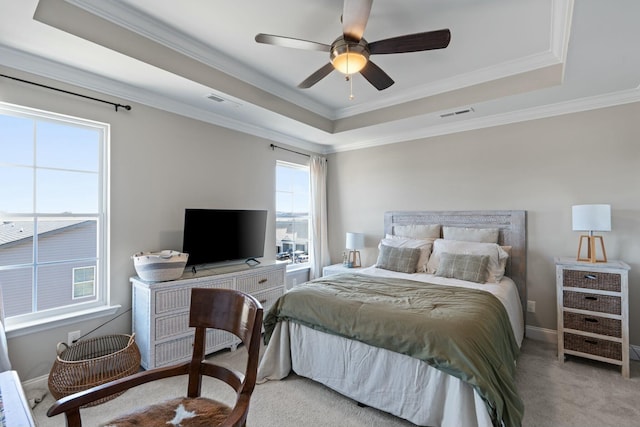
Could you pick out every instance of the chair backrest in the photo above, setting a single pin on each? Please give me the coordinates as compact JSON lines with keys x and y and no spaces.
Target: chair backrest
{"x":235,"y":312}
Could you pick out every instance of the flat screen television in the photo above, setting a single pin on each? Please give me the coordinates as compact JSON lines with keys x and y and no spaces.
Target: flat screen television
{"x":222,"y":235}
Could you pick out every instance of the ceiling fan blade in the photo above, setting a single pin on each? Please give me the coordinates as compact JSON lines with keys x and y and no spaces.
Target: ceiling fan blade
{"x":291,"y":42}
{"x":355,"y":14}
{"x":317,"y":76}
{"x":438,"y":39}
{"x":376,"y":76}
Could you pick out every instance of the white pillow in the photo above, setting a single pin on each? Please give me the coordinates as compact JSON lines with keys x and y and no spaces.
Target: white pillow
{"x":424,"y":245}
{"x":417,"y":231}
{"x":470,"y":234}
{"x":497,"y":255}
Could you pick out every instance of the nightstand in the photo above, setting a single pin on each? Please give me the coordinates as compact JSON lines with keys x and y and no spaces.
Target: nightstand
{"x":337,"y":268}
{"x":593,"y":311}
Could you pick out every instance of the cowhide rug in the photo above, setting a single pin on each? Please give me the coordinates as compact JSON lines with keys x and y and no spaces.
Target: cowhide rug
{"x":180,"y":412}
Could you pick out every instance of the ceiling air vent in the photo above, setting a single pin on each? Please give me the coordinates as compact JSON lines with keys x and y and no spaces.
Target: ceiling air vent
{"x":456,"y":113}
{"x":221,"y":100}
{"x":215,"y":98}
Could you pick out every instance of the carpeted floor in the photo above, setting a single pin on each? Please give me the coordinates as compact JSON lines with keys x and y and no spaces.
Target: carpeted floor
{"x":577,"y":393}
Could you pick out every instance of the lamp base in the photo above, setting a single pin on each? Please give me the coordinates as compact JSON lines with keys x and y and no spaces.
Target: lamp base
{"x":591,"y":249}
{"x":354,"y":259}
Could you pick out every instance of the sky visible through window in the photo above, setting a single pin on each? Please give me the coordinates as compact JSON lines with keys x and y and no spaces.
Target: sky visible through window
{"x":67,"y":161}
{"x":292,"y":192}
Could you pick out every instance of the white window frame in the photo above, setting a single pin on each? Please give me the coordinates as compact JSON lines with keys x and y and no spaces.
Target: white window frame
{"x":100,"y":306}
{"x":307,"y":264}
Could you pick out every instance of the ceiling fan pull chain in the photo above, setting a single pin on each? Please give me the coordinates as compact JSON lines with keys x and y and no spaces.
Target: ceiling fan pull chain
{"x":351,"y":97}
{"x":349,"y":79}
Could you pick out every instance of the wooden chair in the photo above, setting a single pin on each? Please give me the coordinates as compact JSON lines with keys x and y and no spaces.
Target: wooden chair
{"x":225,"y":309}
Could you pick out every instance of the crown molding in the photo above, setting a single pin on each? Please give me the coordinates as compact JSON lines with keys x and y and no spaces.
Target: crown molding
{"x":560,"y":19}
{"x":127,"y":17}
{"x":527,"y":114}
{"x":131,"y":19}
{"x":460,"y":81}
{"x":37,"y":65}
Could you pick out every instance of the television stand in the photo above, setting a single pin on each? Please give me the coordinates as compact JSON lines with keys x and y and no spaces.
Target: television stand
{"x":161,"y":309}
{"x":252,"y":262}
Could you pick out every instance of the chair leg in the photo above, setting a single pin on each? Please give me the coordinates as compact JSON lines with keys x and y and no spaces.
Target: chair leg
{"x":73,"y":418}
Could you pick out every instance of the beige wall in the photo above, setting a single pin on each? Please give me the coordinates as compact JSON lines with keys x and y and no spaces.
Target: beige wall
{"x":542,"y":166}
{"x":161,"y":163}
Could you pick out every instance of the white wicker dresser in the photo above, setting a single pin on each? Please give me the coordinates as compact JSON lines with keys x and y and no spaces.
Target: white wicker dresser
{"x":161,"y":309}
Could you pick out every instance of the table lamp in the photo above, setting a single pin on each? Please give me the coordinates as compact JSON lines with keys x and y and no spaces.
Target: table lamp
{"x":591,"y":218}
{"x":355,"y":241}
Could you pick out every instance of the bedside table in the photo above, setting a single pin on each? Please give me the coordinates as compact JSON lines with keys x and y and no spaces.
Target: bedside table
{"x":593,"y":311}
{"x":336,"y":269}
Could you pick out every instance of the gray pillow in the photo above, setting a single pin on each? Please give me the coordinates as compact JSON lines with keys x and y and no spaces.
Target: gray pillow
{"x":472,"y":268}
{"x":400,"y":259}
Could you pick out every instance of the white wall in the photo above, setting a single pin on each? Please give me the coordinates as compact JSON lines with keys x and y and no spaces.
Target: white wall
{"x":542,"y":166}
{"x":161,"y":163}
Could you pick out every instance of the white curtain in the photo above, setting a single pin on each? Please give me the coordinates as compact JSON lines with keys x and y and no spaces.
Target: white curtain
{"x":319,"y":247}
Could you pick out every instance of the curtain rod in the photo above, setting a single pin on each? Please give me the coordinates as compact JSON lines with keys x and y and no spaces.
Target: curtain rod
{"x":126,"y":107}
{"x":273,"y":147}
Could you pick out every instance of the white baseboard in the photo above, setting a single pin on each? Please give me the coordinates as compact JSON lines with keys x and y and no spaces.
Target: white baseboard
{"x":541,"y":334}
{"x":551,"y":336}
{"x":635,"y":352}
{"x":36,"y":383}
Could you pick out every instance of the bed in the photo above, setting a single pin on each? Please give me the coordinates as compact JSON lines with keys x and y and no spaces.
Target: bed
{"x":426,"y":389}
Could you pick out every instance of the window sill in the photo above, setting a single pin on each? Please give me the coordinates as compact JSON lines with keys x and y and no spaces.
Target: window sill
{"x":40,"y":325}
{"x":298,"y":267}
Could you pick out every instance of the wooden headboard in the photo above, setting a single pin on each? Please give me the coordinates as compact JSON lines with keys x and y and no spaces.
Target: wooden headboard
{"x":512,"y":226}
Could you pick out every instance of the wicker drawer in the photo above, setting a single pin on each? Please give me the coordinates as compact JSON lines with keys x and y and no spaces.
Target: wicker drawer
{"x":181,"y":349}
{"x":268,"y":298}
{"x":595,"y":346}
{"x":263,"y":280}
{"x":592,"y":302}
{"x":593,"y":324}
{"x":168,"y":326}
{"x":591,"y":280}
{"x":178,"y":298}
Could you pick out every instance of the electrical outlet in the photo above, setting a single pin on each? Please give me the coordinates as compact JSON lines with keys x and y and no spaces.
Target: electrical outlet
{"x":531,"y":306}
{"x":73,"y":336}
{"x":294,"y":281}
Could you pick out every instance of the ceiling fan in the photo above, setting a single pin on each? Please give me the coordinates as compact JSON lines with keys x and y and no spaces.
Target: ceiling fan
{"x":350,"y":52}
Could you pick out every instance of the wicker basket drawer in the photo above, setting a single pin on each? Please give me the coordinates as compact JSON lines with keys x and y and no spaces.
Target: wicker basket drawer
{"x":595,"y":346}
{"x":175,"y":324}
{"x":179,"y":298}
{"x":593,"y":324}
{"x":591,"y":280}
{"x":263,"y":280}
{"x":268,"y":298}
{"x":182,"y":348}
{"x":592,"y":302}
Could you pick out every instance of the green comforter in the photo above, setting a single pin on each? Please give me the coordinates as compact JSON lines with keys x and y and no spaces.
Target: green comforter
{"x":463,"y":332}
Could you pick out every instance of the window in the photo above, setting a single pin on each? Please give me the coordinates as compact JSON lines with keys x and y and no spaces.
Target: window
{"x":53,"y":215}
{"x":292,"y":212}
{"x":84,"y":282}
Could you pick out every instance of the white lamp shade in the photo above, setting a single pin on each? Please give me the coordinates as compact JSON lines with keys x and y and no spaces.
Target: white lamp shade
{"x":591,"y":217}
{"x":355,"y":241}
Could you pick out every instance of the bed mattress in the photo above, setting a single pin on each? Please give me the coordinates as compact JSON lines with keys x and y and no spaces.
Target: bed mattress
{"x":393,"y":382}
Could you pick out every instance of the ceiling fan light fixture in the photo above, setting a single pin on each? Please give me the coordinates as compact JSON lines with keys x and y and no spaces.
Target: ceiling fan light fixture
{"x":349,"y":57}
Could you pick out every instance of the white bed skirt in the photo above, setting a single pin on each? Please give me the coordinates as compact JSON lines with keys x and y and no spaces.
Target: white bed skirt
{"x":392,"y":382}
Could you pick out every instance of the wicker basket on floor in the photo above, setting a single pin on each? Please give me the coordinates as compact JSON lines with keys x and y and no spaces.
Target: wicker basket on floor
{"x":92,"y":362}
